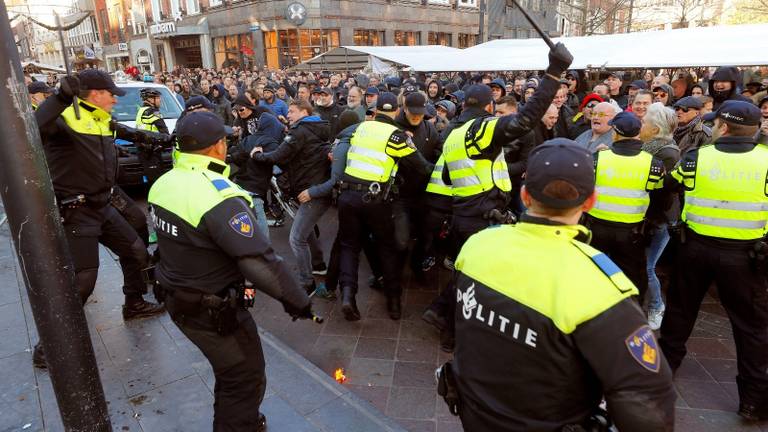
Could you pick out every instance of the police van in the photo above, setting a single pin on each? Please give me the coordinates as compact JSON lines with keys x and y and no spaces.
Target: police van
{"x":131,"y":169}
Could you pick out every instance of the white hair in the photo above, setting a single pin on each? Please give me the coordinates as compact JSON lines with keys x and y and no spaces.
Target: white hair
{"x":661,"y":117}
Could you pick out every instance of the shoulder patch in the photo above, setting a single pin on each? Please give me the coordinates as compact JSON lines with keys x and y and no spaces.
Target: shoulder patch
{"x":605,"y":264}
{"x":644,"y":349}
{"x":220,"y":184}
{"x":242,"y":224}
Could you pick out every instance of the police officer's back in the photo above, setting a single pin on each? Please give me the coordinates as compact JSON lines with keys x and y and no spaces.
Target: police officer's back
{"x":537,"y":348}
{"x":209,"y":246}
{"x":723,"y":241}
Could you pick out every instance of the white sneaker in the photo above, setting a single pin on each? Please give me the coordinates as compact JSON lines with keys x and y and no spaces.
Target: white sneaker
{"x":655,"y":316}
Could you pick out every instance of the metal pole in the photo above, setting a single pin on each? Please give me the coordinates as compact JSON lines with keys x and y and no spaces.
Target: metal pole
{"x":481,"y":33}
{"x":535,"y":26}
{"x":38,"y":237}
{"x":629,"y":22}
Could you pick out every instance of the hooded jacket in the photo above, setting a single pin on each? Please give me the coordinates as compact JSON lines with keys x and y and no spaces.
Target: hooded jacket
{"x":439,"y":95}
{"x":223,"y":108}
{"x":303,"y":153}
{"x":428,"y":142}
{"x":255,"y":176}
{"x":726,"y":73}
{"x":330,"y":114}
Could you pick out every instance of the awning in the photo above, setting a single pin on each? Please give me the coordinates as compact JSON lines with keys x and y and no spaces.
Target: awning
{"x":743,"y":45}
{"x":42,"y":67}
{"x":377,"y":57}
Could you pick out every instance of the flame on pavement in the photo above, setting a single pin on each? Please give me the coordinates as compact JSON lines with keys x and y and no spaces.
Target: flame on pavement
{"x":339,"y":376}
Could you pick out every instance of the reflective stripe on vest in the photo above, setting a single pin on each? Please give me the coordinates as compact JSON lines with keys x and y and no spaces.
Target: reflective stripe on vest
{"x":623,"y":183}
{"x":367,"y":158}
{"x":436,"y":184}
{"x":148,"y":123}
{"x":728,"y":199}
{"x":471,"y":177}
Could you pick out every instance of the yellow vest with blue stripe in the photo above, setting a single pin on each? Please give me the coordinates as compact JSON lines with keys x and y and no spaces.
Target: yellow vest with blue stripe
{"x":726,"y":193}
{"x":146,"y":121}
{"x":470,"y":176}
{"x":436,"y":184}
{"x":191,"y":173}
{"x":622,"y":184}
{"x":373,"y":151}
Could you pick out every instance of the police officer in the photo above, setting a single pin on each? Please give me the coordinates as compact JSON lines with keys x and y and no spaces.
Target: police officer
{"x":38,"y":92}
{"x":520,"y":325}
{"x":148,"y":117}
{"x":628,"y":180}
{"x":377,"y":150}
{"x":726,"y":213}
{"x":209,"y":245}
{"x":82,"y":159}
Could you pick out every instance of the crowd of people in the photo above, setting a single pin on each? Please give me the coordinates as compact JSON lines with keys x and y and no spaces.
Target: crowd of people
{"x":418,"y":164}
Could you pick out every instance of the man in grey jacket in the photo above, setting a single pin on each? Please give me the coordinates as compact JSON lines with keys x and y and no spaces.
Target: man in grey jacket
{"x":691,"y":132}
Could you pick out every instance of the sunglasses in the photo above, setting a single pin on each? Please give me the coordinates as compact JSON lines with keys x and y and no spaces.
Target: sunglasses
{"x":241,"y":109}
{"x":683,"y":109}
{"x":600,"y":115}
{"x":659,"y":93}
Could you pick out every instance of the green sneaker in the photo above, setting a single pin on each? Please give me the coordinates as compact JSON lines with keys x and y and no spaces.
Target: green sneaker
{"x":152,"y":237}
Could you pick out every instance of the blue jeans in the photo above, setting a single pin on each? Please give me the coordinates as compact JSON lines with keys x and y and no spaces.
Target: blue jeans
{"x":302,"y":230}
{"x":653,"y":252}
{"x":261,"y":217}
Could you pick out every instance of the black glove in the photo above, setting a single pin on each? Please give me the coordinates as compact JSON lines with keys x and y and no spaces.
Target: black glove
{"x":69,"y":88}
{"x":303,"y":313}
{"x":559,"y":60}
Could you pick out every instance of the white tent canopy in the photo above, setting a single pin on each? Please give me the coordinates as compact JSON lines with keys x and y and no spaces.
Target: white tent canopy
{"x":378,"y":58}
{"x":743,"y":45}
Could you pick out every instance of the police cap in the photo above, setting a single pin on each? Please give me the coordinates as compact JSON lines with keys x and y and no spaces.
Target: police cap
{"x":626,"y":124}
{"x":386,"y":102}
{"x":560,"y":159}
{"x":38,"y":87}
{"x":198,"y":102}
{"x":94,"y":79}
{"x":738,"y":112}
{"x":199,"y":130}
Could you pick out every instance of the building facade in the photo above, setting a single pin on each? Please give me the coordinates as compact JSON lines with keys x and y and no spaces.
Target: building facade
{"x":673,"y":14}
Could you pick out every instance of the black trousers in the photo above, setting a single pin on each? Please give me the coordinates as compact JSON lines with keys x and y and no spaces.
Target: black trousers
{"x":358,"y":219}
{"x":433,"y":244}
{"x":128,"y":208}
{"x":238,"y":366}
{"x":462,"y":228}
{"x":744,"y":295}
{"x":334,"y":264}
{"x":85,"y":228}
{"x":622,"y":246}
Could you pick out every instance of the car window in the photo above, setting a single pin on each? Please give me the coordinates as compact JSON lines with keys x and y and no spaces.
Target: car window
{"x":126,"y":107}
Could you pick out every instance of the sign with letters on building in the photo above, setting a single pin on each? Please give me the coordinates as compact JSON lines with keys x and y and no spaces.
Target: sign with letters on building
{"x":163,"y":28}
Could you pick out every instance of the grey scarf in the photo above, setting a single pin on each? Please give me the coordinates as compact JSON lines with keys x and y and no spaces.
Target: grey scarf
{"x":653,"y":146}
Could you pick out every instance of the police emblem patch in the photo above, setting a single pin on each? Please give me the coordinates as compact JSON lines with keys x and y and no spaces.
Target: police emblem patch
{"x":242,"y":224}
{"x":644,"y":349}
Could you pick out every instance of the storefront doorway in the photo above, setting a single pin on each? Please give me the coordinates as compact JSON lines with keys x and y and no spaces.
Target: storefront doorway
{"x":187,"y":51}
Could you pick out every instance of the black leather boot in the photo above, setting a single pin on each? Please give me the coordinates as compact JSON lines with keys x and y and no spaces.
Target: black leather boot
{"x":348,"y":304}
{"x":137,"y":307}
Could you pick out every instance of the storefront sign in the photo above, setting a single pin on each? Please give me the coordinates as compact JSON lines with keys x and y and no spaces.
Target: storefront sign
{"x":254,"y":27}
{"x":142,"y":59}
{"x":296,"y":13}
{"x":161,"y":28}
{"x":191,"y":42}
{"x":122,"y":46}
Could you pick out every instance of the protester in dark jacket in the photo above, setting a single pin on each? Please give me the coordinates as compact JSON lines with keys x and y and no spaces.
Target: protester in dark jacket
{"x":223,"y":108}
{"x":723,"y":86}
{"x":434,"y":91}
{"x":254,"y":176}
{"x":247,"y":121}
{"x":691,"y":133}
{"x":304,"y":155}
{"x":327,"y":108}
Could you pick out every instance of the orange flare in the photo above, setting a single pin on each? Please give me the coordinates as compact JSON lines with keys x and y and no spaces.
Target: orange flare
{"x":339,"y":376}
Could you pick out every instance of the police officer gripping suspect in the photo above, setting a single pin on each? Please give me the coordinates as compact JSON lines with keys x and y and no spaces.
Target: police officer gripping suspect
{"x":209,"y":246}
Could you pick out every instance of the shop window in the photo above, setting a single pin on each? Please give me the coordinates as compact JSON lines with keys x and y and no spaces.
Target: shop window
{"x":407,"y":38}
{"x":193,"y":7}
{"x":439,"y":38}
{"x":234,"y":50}
{"x":285,"y":48}
{"x":365,"y":37}
{"x":467,"y":40}
{"x":467,"y":3}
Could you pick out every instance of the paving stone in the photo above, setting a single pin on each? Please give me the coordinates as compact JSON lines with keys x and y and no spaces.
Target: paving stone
{"x":380,"y":328}
{"x":418,"y":425}
{"x":183,"y":405}
{"x":711,"y":421}
{"x":375,"y":395}
{"x":362,"y":371}
{"x":376,"y":348}
{"x":337,"y":325}
{"x":449,"y":427}
{"x":340,"y":415}
{"x":19,"y":403}
{"x":424,"y":298}
{"x":712,"y":348}
{"x":411,"y":403}
{"x":720,"y":369}
{"x":442,"y":414}
{"x":13,"y":330}
{"x":411,"y":350}
{"x":282,"y":417}
{"x":690,"y":369}
{"x":705,"y":395}
{"x":418,"y":330}
{"x":413,"y":374}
